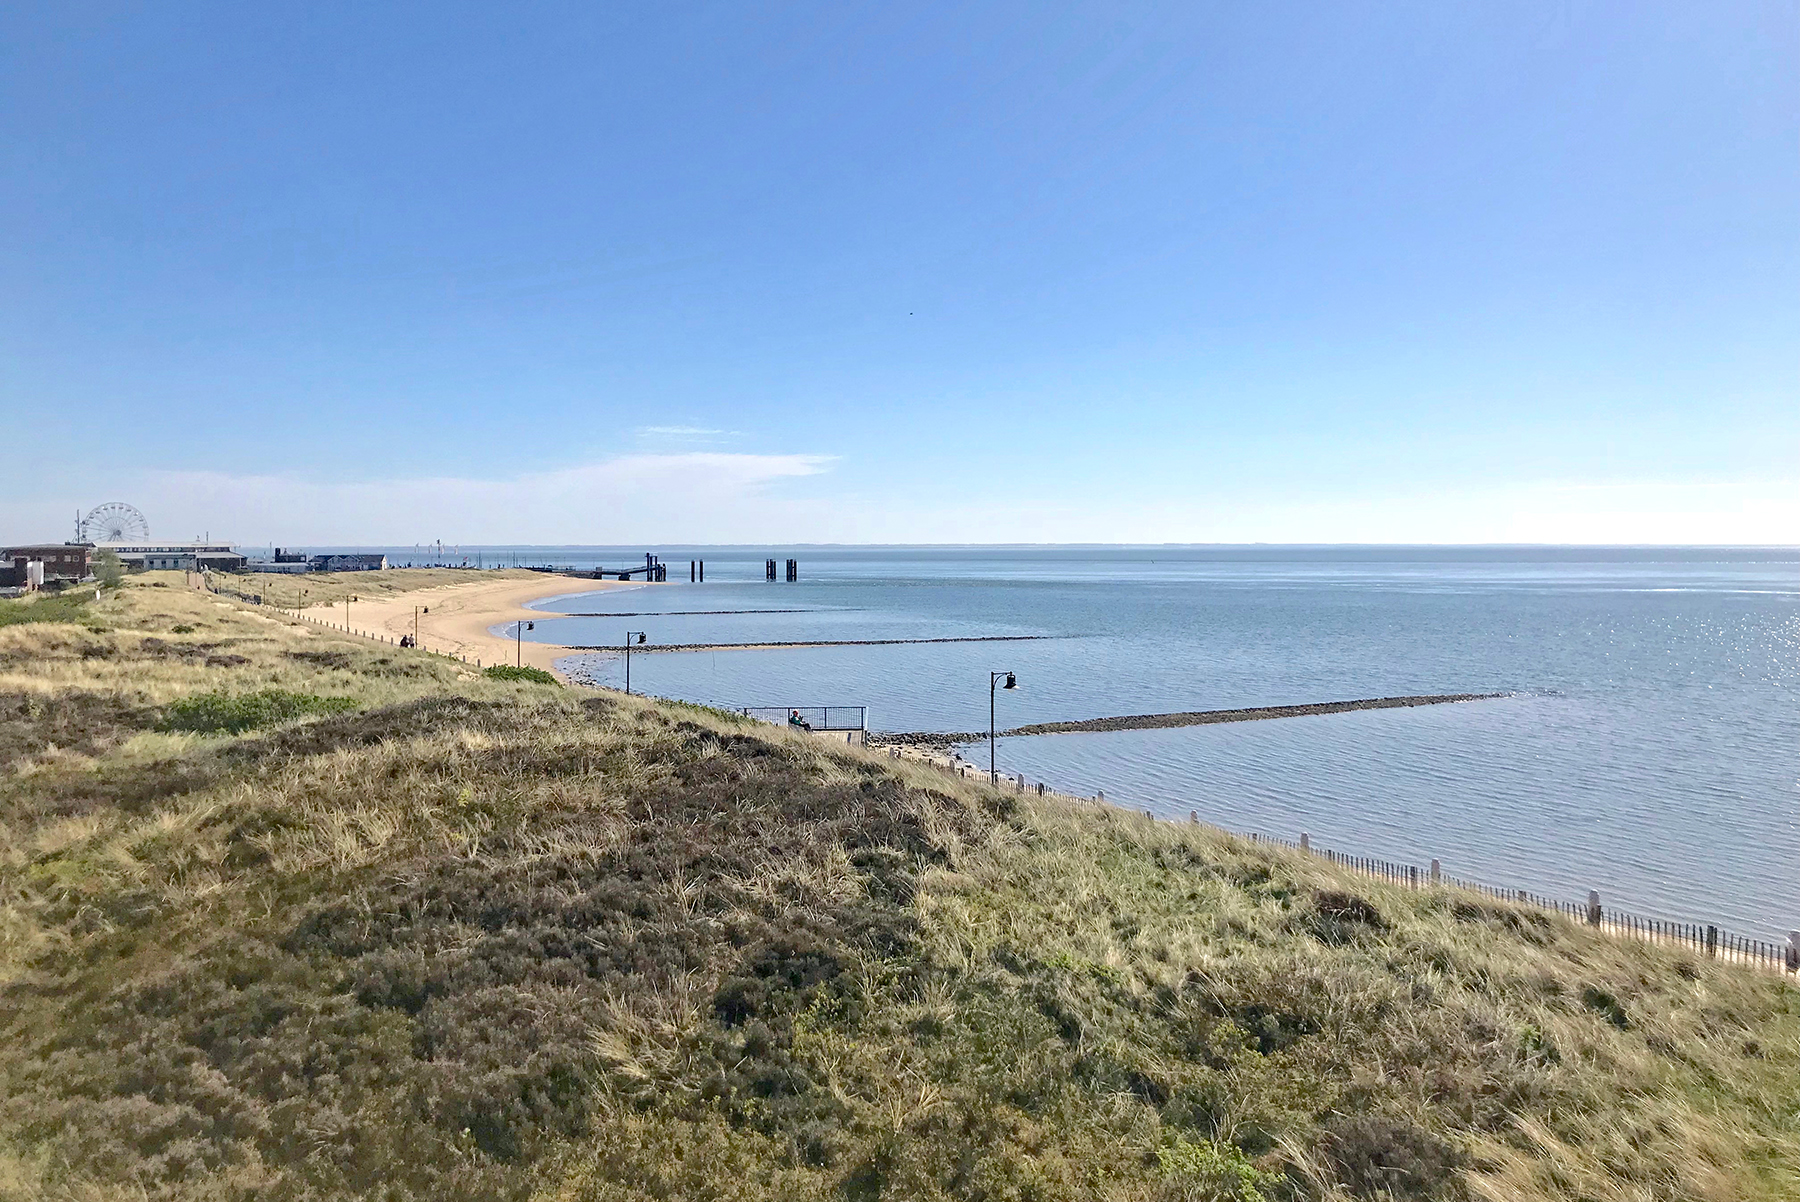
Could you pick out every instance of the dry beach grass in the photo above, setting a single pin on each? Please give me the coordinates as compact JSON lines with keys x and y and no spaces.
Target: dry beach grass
{"x":475,"y":938}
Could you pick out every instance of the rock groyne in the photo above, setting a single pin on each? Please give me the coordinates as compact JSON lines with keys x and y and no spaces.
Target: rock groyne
{"x":926,"y":738}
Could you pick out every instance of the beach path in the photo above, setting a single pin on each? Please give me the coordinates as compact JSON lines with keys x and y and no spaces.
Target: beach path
{"x":461,"y":614}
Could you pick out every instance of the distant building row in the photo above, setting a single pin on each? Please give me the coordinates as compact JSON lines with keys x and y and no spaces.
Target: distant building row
{"x":65,"y":562}
{"x":178,"y":557}
{"x":294,"y":561}
{"x":37,"y":564}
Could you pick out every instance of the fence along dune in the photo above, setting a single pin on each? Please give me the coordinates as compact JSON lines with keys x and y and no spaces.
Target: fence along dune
{"x":1705,"y":938}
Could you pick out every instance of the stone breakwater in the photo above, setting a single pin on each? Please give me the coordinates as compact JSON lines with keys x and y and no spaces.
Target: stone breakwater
{"x":927,"y":738}
{"x":765,"y":646}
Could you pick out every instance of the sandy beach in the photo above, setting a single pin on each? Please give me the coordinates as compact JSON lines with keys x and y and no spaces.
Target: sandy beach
{"x":461,"y":613}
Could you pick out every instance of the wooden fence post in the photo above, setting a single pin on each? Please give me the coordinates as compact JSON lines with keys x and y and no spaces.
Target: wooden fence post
{"x":1593,"y":913}
{"x":1305,"y":841}
{"x":1194,"y":816}
{"x":1793,"y":952}
{"x":1712,"y":940}
{"x":1437,"y":873}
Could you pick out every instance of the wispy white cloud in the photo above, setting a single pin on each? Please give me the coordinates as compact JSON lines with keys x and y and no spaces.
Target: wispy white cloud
{"x":708,"y":496}
{"x":630,"y":498}
{"x":683,"y":432}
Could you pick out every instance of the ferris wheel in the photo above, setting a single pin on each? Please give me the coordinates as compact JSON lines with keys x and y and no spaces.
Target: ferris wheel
{"x":113,"y":522}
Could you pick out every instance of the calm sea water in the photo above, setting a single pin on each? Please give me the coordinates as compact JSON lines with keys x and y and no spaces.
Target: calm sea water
{"x":1649,"y":746}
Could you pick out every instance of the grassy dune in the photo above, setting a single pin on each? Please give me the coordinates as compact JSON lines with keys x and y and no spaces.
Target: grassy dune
{"x":438,"y":935}
{"x":330,"y":588}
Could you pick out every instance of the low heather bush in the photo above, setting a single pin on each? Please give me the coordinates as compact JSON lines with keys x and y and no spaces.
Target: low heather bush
{"x":509,"y":672}
{"x":57,"y":607}
{"x":234,"y":713}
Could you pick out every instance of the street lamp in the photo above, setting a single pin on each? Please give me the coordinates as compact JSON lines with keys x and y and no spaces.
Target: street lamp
{"x":1012,"y":682}
{"x":630,"y":637}
{"x":518,"y":641}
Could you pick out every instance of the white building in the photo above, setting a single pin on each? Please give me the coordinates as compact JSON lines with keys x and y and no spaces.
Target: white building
{"x":177,"y":557}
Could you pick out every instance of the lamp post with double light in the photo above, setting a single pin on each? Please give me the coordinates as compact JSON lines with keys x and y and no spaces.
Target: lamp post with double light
{"x":631,"y":636}
{"x":994,"y":679}
{"x":518,"y":641}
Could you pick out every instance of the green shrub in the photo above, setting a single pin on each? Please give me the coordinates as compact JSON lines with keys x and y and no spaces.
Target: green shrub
{"x":182,"y":628}
{"x":108,"y":569}
{"x":508,"y":672}
{"x":46,"y":607}
{"x":228,"y":713}
{"x":1210,"y":1172}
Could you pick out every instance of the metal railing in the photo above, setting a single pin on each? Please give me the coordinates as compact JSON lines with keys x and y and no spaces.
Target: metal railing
{"x":246,"y":598}
{"x":812,"y":717}
{"x":1701,"y":938}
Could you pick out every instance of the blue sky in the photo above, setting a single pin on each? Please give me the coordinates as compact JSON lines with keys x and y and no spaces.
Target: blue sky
{"x":1004,"y":272}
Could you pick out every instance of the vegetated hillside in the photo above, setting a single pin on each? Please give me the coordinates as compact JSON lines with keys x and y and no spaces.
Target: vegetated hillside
{"x":330,"y":588}
{"x":293,"y":916}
